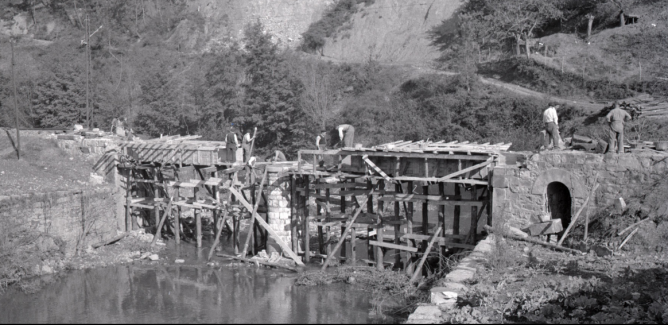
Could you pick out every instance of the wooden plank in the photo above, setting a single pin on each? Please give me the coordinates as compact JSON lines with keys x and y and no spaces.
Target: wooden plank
{"x":355,"y":192}
{"x":393,"y":246}
{"x":418,"y":269}
{"x":338,"y":185}
{"x":434,"y":179}
{"x":459,"y":203}
{"x":545,"y":228}
{"x":143,"y":206}
{"x":426,"y":237}
{"x":264,"y":224}
{"x":466,"y":170}
{"x":253,"y":214}
{"x":483,"y":157}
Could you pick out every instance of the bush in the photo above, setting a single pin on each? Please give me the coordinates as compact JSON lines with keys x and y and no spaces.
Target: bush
{"x":330,"y":23}
{"x":536,"y":76}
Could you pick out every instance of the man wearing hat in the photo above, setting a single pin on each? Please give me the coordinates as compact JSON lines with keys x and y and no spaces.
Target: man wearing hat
{"x":616,"y":119}
{"x":552,"y":128}
{"x":231,"y":144}
{"x":320,"y":141}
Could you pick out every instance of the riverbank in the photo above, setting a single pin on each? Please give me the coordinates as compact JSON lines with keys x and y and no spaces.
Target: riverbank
{"x":31,"y":267}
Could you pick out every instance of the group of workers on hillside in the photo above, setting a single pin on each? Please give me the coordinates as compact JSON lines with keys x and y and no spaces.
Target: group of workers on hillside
{"x":615,"y":118}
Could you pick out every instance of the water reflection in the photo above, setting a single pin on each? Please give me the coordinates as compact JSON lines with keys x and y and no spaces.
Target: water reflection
{"x":182,"y":293}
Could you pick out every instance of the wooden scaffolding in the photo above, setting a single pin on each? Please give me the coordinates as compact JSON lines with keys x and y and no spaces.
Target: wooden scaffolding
{"x":164,"y":177}
{"x":390,"y":174}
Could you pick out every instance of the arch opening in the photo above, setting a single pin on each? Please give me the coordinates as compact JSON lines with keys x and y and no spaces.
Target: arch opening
{"x":559,"y":202}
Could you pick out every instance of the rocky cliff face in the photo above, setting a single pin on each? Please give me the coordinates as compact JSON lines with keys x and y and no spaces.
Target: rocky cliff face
{"x":391,"y":31}
{"x":225,"y":19}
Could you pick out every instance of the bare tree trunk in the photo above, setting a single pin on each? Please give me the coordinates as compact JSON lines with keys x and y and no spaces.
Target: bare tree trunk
{"x":517,"y":44}
{"x":526,"y":46}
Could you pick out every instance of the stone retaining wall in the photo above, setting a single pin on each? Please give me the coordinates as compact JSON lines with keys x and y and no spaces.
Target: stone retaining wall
{"x":520,"y":188}
{"x":278,"y":205}
{"x":62,"y":214}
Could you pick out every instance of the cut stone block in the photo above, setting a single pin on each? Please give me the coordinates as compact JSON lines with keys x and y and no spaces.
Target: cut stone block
{"x":425,"y":315}
{"x":545,"y":228}
{"x":620,"y":204}
{"x":443,"y":298}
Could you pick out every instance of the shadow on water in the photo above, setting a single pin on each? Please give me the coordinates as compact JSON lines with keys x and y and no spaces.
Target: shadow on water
{"x":180,"y":293}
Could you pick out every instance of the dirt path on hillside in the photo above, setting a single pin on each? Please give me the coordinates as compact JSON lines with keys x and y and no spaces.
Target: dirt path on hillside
{"x":519,"y":90}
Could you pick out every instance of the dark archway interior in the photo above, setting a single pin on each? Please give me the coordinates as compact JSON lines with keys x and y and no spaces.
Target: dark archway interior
{"x":559,"y":201}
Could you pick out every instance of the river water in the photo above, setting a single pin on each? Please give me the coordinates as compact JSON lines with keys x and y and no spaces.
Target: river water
{"x":178,"y":293}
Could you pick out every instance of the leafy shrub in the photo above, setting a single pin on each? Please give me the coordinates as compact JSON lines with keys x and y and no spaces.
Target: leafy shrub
{"x":330,"y":23}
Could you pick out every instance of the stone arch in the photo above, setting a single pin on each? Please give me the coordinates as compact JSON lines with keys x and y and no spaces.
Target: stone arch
{"x":560,"y":202}
{"x":575,"y":186}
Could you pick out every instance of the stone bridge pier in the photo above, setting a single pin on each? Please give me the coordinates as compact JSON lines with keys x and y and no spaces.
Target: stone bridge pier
{"x":278,"y":202}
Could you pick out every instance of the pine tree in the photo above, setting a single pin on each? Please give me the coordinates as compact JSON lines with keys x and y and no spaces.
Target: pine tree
{"x":271,"y":99}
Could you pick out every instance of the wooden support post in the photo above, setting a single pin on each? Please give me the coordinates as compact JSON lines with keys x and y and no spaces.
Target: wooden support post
{"x":397,"y":227}
{"x":343,"y":235}
{"x":216,"y":213}
{"x":128,"y":201}
{"x":217,"y":238}
{"x":441,"y":217}
{"x":318,"y":209}
{"x":425,"y":213}
{"x":165,"y":215}
{"x":253,"y":214}
{"x":575,"y":218}
{"x":343,"y":210}
{"x":409,"y":226}
{"x":177,"y":222}
{"x":255,"y":200}
{"x":198,"y":227}
{"x":380,"y":232}
{"x":369,"y":209}
{"x":293,"y":212}
{"x":328,"y":246}
{"x":474,"y":215}
{"x":307,"y":234}
{"x":353,"y":245}
{"x":198,"y":221}
{"x":456,"y":212}
{"x":418,"y":269}
{"x":135,"y":226}
{"x":156,"y":194}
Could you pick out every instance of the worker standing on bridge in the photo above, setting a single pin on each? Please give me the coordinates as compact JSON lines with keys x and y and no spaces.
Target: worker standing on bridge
{"x":616,"y":119}
{"x":231,"y":144}
{"x":551,"y":121}
{"x":246,"y":144}
{"x":278,"y":156}
{"x":320,"y":141}
{"x":346,"y":134}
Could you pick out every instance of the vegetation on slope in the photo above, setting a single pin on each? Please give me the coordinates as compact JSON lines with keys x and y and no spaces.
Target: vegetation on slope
{"x":331,"y":22}
{"x":611,"y":63}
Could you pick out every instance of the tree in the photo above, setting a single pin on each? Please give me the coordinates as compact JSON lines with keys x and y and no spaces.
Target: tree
{"x":521,"y":18}
{"x":272,"y":92}
{"x":222,"y":91}
{"x":322,"y":94}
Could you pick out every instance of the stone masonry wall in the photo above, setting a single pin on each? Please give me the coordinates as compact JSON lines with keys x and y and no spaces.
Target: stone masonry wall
{"x":278,"y":205}
{"x":519,"y":188}
{"x":62,"y":214}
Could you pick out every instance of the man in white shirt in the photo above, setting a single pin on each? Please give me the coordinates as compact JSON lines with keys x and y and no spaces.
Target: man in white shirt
{"x":246,"y":144}
{"x":346,"y":134}
{"x":551,"y":121}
